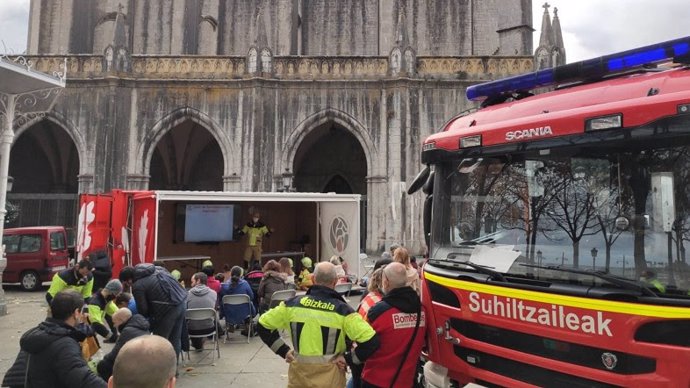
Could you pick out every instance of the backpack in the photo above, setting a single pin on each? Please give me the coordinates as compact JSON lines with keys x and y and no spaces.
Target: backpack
{"x":171,"y":288}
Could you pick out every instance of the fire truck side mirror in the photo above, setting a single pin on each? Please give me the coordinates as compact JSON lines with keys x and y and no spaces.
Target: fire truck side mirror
{"x":428,"y":187}
{"x":426,"y":217}
{"x":419,"y":181}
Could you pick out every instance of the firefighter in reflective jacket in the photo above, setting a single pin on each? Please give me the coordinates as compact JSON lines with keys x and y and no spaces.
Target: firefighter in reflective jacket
{"x":255,"y":231}
{"x":77,"y":278}
{"x":101,"y":306}
{"x":319,"y":323}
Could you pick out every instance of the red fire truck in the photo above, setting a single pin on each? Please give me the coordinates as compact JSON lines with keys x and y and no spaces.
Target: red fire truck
{"x":557,"y":225}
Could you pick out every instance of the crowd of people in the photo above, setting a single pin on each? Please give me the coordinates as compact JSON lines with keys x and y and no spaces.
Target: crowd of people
{"x":328,"y":336}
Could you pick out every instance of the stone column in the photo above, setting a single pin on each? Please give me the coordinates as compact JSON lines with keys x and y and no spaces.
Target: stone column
{"x":137,"y":182}
{"x":5,"y":146}
{"x":85,"y":183}
{"x":376,"y":213}
{"x":232,"y":182}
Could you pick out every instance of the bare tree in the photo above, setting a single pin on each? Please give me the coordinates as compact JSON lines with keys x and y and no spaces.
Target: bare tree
{"x":572,"y":208}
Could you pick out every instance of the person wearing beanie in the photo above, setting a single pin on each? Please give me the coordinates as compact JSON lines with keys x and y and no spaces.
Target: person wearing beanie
{"x":102,"y":305}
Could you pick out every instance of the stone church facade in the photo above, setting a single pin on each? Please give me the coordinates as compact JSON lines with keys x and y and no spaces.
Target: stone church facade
{"x":237,"y":95}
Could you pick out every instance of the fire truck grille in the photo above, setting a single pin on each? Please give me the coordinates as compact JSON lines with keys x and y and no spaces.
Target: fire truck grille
{"x":523,"y":372}
{"x":572,"y":353}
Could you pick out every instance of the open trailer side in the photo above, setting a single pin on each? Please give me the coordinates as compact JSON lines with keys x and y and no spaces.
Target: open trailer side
{"x":180,"y":226}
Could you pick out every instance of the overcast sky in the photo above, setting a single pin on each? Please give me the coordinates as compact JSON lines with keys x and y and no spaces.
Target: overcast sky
{"x":590,"y":27}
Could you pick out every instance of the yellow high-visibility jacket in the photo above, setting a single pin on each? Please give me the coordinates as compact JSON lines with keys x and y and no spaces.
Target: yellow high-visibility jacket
{"x":318,"y":322}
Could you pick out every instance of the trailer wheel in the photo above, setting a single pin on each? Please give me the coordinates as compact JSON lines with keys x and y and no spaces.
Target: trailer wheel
{"x":29,"y":280}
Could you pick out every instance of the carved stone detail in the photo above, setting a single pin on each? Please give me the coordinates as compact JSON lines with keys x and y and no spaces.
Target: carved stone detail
{"x":201,"y":67}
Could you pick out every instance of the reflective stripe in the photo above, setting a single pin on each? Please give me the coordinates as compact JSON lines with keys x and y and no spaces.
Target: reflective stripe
{"x":331,"y":340}
{"x":277,"y":344}
{"x":647,"y":310}
{"x":295,"y":331}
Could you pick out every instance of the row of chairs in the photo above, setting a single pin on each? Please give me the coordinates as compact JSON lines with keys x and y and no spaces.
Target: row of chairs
{"x":238,"y":311}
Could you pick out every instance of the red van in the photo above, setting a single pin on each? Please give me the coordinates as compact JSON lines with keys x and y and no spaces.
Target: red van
{"x":34,"y":254}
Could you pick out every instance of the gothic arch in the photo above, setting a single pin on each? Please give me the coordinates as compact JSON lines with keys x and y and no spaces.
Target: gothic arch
{"x":66,"y":125}
{"x":173,"y":119}
{"x":337,"y":179}
{"x":313,"y":122}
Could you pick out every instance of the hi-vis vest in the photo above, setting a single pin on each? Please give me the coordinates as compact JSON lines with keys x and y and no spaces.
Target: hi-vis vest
{"x":318,"y":323}
{"x":66,"y":279}
{"x":255,"y":233}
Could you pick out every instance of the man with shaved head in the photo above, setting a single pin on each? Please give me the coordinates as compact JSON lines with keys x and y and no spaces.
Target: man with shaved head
{"x":398,"y":320}
{"x":145,"y":362}
{"x":130,"y":327}
{"x":319,"y":322}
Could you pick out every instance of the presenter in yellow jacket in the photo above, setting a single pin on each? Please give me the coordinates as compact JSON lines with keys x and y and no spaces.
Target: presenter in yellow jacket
{"x":255,"y":231}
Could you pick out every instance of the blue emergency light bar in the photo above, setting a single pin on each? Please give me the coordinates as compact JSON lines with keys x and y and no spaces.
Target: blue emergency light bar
{"x":583,"y":70}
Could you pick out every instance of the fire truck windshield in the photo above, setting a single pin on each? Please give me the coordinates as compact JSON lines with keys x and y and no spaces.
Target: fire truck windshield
{"x":617,"y":210}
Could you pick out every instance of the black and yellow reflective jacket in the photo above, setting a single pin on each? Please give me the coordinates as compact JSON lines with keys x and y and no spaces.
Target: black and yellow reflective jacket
{"x":70,"y":279}
{"x":319,"y":323}
{"x":99,"y":307}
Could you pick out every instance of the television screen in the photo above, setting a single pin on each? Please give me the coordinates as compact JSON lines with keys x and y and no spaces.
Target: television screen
{"x":205,"y":222}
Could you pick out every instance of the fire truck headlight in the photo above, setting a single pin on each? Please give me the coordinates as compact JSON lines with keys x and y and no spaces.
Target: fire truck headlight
{"x":604,"y":122}
{"x":429,"y":146}
{"x":471,"y":141}
{"x":684,"y":109}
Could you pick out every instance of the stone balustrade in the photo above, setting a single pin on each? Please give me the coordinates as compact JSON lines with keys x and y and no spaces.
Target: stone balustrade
{"x":148,"y":67}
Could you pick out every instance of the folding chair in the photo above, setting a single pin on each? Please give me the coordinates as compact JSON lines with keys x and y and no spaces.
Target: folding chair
{"x":280,"y":296}
{"x":205,"y":314}
{"x":344,"y":290}
{"x":238,"y":310}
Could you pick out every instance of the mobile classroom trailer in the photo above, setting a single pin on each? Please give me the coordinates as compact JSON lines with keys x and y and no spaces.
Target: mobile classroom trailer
{"x":186,"y":226}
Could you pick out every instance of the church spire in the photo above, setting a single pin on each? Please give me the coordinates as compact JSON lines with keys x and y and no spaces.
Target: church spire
{"x":546,"y":37}
{"x":556,"y":27}
{"x":401,"y":39}
{"x":119,"y":37}
{"x":260,"y":56}
{"x":402,"y":58}
{"x":260,"y":38}
{"x":116,"y":56}
{"x":551,"y":51}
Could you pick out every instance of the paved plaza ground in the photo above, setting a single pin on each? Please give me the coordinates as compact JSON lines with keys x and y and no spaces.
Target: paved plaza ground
{"x":240,"y":364}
